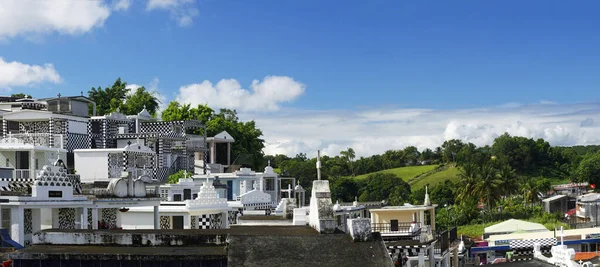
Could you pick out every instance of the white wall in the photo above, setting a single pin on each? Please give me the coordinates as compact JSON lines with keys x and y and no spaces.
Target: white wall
{"x":91,"y":165}
{"x":78,"y":127}
{"x":136,"y":220}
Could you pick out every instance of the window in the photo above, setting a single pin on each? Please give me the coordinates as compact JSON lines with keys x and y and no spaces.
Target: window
{"x":177,"y":197}
{"x":194,"y":196}
{"x":37,"y":164}
{"x":96,"y":127}
{"x":177,"y":129}
{"x":13,"y":127}
{"x":187,"y":194}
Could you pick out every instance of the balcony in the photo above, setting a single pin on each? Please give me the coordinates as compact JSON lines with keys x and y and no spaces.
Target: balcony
{"x":36,"y":139}
{"x":23,"y":174}
{"x":400,"y":229}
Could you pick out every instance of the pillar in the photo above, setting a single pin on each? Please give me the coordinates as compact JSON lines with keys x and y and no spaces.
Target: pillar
{"x":455,"y":255}
{"x":228,"y":153}
{"x":94,"y":218}
{"x":212,"y":152}
{"x":186,"y":221}
{"x":84,"y":218}
{"x":45,"y":218}
{"x":156,"y":218}
{"x":17,"y":224}
{"x":432,"y":219}
{"x":431,"y":256}
{"x":32,"y":164}
{"x":421,"y":259}
{"x":78,"y":222}
{"x":447,"y":260}
{"x":225,"y":218}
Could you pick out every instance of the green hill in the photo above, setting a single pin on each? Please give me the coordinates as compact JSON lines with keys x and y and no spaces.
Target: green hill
{"x":406,"y":173}
{"x":450,"y":173}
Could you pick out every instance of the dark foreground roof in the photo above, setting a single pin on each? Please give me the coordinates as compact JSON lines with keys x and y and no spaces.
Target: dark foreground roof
{"x":336,"y":250}
{"x":238,"y":246}
{"x":531,"y":263}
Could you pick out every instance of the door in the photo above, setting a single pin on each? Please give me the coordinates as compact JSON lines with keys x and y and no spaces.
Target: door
{"x":177,"y":222}
{"x":187,"y":194}
{"x":393,"y":225}
{"x":229,"y":190}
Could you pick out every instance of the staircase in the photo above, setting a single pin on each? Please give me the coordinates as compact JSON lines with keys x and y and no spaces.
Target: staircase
{"x":279,"y":209}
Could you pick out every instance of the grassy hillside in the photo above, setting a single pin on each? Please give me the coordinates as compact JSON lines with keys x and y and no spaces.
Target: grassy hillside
{"x":406,"y":173}
{"x":436,"y":178}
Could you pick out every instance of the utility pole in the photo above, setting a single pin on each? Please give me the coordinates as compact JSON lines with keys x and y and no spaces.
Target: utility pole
{"x":319,"y":164}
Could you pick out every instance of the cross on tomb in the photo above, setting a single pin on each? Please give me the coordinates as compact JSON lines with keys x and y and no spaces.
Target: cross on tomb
{"x":58,"y":95}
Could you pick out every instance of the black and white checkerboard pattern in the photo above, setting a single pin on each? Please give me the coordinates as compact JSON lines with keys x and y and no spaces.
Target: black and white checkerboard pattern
{"x":528,"y":244}
{"x":408,"y":250}
{"x":76,"y":141}
{"x":16,"y":184}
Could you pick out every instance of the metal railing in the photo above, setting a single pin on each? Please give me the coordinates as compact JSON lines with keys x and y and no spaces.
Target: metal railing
{"x":36,"y":139}
{"x":404,"y":228}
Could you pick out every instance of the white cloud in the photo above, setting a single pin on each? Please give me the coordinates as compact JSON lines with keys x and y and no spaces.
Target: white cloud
{"x":21,"y":17}
{"x":18,"y":74}
{"x":265,"y":95}
{"x":376,"y":130}
{"x":121,"y":5}
{"x":183,"y":11}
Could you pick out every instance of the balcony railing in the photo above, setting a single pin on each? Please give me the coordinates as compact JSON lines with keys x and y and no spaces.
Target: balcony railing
{"x":401,"y":228}
{"x":36,"y":139}
{"x":23,"y":174}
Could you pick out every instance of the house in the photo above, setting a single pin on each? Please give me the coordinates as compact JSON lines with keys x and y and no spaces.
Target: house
{"x":176,"y":148}
{"x":512,"y":226}
{"x":587,"y":208}
{"x":558,"y":204}
{"x":34,"y":131}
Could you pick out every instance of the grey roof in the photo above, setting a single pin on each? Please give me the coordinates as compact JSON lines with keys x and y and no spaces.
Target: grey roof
{"x":335,"y":250}
{"x":557,"y":197}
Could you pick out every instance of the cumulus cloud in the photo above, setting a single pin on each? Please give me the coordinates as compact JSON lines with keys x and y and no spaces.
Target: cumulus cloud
{"x":121,"y":5}
{"x":18,"y":74}
{"x":183,"y":11}
{"x":265,"y":95}
{"x":373,"y":131}
{"x":21,"y":17}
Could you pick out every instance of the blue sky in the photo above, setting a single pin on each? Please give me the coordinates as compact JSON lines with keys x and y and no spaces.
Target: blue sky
{"x":340,"y":59}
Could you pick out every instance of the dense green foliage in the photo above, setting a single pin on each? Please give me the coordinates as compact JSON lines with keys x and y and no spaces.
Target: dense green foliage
{"x":247,"y":148}
{"x":116,"y":97}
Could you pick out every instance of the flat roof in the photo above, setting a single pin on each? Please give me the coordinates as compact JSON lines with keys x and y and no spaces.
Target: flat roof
{"x":235,"y":230}
{"x":550,"y":199}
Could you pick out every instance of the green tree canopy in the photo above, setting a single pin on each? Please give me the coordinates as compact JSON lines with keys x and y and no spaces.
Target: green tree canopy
{"x":20,"y":96}
{"x":111,"y":99}
{"x":379,"y":186}
{"x":589,"y":169}
{"x":140,"y":99}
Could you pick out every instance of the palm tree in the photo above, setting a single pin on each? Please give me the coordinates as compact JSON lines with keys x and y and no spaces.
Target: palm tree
{"x":468,"y":180}
{"x":530,"y":191}
{"x":508,"y":177}
{"x":488,"y":186}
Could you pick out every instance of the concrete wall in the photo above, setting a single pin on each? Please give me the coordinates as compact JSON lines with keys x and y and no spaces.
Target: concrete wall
{"x":92,"y":166}
{"x":79,"y":127}
{"x":387,"y":216}
{"x":136,"y":220}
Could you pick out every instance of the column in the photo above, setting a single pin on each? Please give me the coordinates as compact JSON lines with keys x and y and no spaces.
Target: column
{"x":212,"y":152}
{"x":228,"y":153}
{"x":84,"y":218}
{"x":432,"y":219}
{"x":78,"y":222}
{"x":421,"y":259}
{"x":447,"y":259}
{"x":455,"y":255}
{"x":186,"y":221}
{"x":94,"y":218}
{"x":17,"y":224}
{"x":432,"y":255}
{"x":156,"y":218}
{"x":31,"y":164}
{"x":225,"y":219}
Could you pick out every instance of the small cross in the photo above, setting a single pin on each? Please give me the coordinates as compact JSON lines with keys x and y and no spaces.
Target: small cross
{"x":81,"y":93}
{"x":58,"y":95}
{"x":129,"y":142}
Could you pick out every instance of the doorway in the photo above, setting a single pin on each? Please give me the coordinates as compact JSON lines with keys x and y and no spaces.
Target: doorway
{"x":177,"y":222}
{"x":229,"y":190}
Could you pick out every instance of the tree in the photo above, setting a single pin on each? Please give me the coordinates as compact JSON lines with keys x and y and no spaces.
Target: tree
{"x":467,"y":182}
{"x":488,"y":186}
{"x":109,"y":99}
{"x":508,"y":178}
{"x":349,"y":155}
{"x":174,"y":178}
{"x":589,"y":169}
{"x":344,"y":189}
{"x":379,"y":186}
{"x":140,"y":99}
{"x":20,"y":96}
